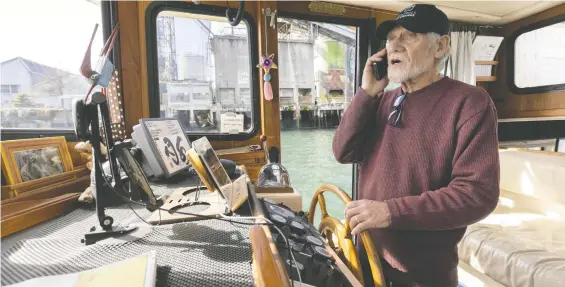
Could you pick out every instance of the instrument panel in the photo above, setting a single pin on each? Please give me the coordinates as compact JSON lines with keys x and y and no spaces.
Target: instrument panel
{"x":311,"y":262}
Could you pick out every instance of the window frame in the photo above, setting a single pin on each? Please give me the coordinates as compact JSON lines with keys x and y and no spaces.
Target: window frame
{"x":152,"y":63}
{"x":510,"y":60}
{"x":109,"y":19}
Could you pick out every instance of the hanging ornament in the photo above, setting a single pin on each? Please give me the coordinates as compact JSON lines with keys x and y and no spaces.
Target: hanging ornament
{"x":267,"y":64}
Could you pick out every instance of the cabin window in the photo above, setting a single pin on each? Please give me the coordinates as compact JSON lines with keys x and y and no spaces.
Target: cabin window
{"x":318,"y":64}
{"x":40,"y":63}
{"x":539,"y":57}
{"x":203,"y":68}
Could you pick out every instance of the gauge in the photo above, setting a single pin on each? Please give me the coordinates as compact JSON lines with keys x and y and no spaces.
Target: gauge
{"x":281,"y":211}
{"x":314,"y":240}
{"x":322,"y":252}
{"x":297,"y":227}
{"x":278,"y":219}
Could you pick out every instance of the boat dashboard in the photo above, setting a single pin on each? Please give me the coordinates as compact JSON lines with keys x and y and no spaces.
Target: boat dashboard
{"x":197,"y":242}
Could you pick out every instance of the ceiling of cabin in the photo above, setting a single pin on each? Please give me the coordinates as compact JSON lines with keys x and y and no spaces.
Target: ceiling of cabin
{"x":480,"y":12}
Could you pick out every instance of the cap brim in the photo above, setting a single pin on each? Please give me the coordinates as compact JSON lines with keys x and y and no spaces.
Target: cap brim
{"x":387,"y":26}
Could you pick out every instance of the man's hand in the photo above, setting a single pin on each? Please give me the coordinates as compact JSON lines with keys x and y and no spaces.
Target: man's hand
{"x":369,"y":83}
{"x":364,"y":214}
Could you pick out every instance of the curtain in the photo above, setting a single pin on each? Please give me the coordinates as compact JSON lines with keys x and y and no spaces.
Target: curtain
{"x":461,"y":64}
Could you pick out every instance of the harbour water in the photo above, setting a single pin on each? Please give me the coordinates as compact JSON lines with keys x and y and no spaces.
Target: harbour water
{"x":308,"y":157}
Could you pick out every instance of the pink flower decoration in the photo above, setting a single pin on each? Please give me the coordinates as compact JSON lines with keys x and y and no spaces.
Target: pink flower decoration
{"x":267,"y":63}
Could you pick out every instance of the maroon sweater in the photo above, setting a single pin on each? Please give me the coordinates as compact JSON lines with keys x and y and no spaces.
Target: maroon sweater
{"x":438,"y":171}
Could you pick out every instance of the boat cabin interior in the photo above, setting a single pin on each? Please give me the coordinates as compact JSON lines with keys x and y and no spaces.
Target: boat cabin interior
{"x":189,"y":143}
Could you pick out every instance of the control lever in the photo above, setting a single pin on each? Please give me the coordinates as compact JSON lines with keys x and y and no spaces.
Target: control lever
{"x":264,"y":143}
{"x":272,"y":174}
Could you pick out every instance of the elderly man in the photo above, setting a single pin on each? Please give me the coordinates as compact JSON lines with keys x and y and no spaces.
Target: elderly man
{"x":428,"y":153}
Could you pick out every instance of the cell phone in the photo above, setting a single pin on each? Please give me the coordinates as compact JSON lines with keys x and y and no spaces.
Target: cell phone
{"x":380,"y":68}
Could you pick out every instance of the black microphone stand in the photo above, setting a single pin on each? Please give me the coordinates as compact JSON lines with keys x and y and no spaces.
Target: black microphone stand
{"x":102,"y":190}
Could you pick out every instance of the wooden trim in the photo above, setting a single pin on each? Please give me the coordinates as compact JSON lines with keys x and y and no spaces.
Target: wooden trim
{"x":351,"y":12}
{"x":549,"y":13}
{"x":74,"y":185}
{"x":141,"y":8}
{"x":486,"y":62}
{"x":131,"y":70}
{"x":486,"y":79}
{"x":36,"y":212}
{"x":251,"y":157}
{"x":507,"y":113}
{"x":266,"y":264}
{"x":538,"y":119}
{"x":40,"y":205}
{"x":275,"y":252}
{"x":22,"y":207}
{"x":270,"y":110}
{"x":21,"y":189}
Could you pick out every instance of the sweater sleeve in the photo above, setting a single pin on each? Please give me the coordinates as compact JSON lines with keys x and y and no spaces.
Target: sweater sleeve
{"x":351,"y":135}
{"x":473,"y":191}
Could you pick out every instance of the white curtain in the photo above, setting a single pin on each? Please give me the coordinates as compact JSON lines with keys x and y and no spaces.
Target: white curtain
{"x":461,"y":65}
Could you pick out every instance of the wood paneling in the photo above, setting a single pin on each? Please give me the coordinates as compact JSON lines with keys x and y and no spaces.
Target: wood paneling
{"x":301,"y":7}
{"x":39,"y":205}
{"x":131,"y":57}
{"x":253,"y":160}
{"x":270,"y":110}
{"x":22,"y":215}
{"x":511,"y":105}
{"x":70,"y":185}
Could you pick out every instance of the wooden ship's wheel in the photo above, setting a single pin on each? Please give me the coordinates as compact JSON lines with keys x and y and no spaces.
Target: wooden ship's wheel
{"x":339,"y":237}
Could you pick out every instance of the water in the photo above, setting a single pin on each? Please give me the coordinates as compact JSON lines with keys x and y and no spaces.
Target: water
{"x":308,"y":157}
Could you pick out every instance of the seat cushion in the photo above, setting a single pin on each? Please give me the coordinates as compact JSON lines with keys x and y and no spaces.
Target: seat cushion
{"x":517,"y":247}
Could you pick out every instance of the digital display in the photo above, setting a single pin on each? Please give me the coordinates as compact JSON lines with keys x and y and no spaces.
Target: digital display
{"x":210,"y":159}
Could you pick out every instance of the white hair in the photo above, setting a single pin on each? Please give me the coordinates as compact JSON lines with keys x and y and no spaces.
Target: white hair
{"x":433,"y":41}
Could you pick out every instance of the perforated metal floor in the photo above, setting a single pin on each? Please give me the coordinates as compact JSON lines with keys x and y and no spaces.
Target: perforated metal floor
{"x":202,"y":253}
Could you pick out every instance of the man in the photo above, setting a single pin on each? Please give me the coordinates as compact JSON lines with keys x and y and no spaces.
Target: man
{"x":428,"y":153}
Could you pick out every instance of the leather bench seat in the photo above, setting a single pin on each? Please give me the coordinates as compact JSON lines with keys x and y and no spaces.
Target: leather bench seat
{"x":529,"y":254}
{"x":522,"y":243}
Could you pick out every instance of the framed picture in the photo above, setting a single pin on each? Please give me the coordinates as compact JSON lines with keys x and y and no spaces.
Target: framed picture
{"x":35,"y":159}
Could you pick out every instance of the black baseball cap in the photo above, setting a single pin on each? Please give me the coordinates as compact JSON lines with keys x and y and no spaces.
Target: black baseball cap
{"x":418,"y":18}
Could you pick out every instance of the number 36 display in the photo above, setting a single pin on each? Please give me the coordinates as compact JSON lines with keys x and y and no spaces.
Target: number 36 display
{"x":164,"y":145}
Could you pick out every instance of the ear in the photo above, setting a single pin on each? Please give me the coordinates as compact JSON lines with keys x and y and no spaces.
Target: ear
{"x":442,"y":46}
